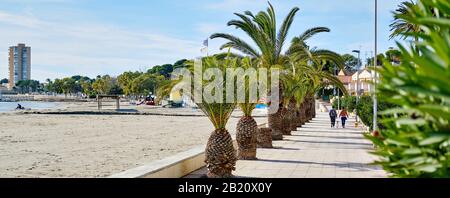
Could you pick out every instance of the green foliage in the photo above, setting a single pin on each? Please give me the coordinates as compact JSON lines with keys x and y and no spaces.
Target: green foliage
{"x":364,"y":109}
{"x":68,"y":85}
{"x":145,"y":83}
{"x":247,"y":106}
{"x":125,"y":81}
{"x":262,"y":30}
{"x":5,"y":80}
{"x":218,"y":110}
{"x":393,"y":56}
{"x":103,"y":84}
{"x":380,"y":59}
{"x":27,"y":86}
{"x":180,"y":64}
{"x":269,"y":38}
{"x":86,"y":87}
{"x":306,"y":73}
{"x":115,"y":90}
{"x":164,"y":70}
{"x":416,"y":138}
{"x":349,"y":102}
{"x":351,"y":63}
{"x":401,"y":27}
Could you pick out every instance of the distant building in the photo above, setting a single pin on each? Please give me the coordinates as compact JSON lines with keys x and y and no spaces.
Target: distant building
{"x":365,"y":78}
{"x":19,"y":64}
{"x":346,"y":80}
{"x":361,"y":80}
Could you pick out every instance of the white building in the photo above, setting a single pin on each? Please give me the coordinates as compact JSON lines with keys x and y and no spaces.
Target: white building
{"x":362,"y":79}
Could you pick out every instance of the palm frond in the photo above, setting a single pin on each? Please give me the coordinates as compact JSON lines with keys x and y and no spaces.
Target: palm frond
{"x":401,"y":26}
{"x":262,"y":29}
{"x":236,"y":43}
{"x":282,"y":34}
{"x":328,"y":55}
{"x":311,"y":32}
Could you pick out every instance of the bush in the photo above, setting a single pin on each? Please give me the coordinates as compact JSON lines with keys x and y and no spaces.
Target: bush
{"x":416,"y":139}
{"x":349,"y":102}
{"x":365,"y":110}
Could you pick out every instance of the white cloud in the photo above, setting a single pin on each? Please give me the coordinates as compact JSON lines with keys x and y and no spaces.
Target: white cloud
{"x":88,"y":48}
{"x":62,"y":48}
{"x":20,"y":20}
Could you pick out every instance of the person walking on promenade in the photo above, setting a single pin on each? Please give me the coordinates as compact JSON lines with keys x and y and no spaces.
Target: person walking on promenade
{"x":333,"y":116}
{"x":344,"y":116}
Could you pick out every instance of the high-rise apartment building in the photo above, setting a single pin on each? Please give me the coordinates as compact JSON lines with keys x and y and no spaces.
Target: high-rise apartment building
{"x":19,"y":64}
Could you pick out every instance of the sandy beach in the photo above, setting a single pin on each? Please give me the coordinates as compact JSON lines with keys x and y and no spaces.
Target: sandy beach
{"x":96,"y":145}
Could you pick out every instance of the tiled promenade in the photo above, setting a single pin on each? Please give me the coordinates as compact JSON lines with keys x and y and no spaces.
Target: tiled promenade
{"x":314,"y":151}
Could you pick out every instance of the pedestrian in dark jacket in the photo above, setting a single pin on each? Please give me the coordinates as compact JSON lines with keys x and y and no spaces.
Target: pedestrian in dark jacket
{"x":333,"y":115}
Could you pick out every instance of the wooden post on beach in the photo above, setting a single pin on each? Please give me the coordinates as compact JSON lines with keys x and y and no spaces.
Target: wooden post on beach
{"x":100,"y":98}
{"x":118,"y":103}
{"x":99,"y":102}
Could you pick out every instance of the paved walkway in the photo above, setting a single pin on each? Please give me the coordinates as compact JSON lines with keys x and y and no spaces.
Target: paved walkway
{"x":314,"y":151}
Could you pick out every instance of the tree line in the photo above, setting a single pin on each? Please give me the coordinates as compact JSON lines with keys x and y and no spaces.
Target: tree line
{"x":128,"y":83}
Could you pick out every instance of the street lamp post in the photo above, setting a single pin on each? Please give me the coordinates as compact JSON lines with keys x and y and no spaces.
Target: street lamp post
{"x":375,"y":102}
{"x":336,"y":72}
{"x":357,"y":81}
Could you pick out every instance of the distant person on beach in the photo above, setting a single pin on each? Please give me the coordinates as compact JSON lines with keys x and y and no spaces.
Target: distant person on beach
{"x":344,"y":116}
{"x":333,"y":116}
{"x":19,"y":107}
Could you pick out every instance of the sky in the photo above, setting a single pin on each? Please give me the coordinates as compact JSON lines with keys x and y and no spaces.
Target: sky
{"x":97,"y":37}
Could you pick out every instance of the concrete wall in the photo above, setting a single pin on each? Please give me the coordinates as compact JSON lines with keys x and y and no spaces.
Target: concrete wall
{"x":172,"y":167}
{"x":177,"y":166}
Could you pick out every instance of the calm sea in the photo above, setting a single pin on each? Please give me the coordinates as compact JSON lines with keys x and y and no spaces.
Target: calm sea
{"x":11,"y":106}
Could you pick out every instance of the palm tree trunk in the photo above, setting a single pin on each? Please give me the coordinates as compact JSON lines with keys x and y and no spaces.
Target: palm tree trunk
{"x":264,"y":138}
{"x":275,"y":123}
{"x":285,"y":123}
{"x":293,"y":123}
{"x":303,"y":118}
{"x":314,"y":108}
{"x":275,"y":120}
{"x":309,"y":108}
{"x":246,"y":132}
{"x":298,"y":122}
{"x":220,"y":154}
{"x":292,"y":115}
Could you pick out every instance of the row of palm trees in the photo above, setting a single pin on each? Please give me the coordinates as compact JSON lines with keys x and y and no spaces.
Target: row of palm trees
{"x":302,"y":75}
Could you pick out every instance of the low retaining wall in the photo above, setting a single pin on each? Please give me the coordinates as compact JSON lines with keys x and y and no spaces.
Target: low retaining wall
{"x":175,"y":166}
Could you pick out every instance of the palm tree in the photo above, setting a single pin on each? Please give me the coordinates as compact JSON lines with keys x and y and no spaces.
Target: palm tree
{"x":246,"y":129}
{"x":262,"y":30}
{"x":402,"y":27}
{"x":303,"y":59}
{"x":295,"y":87}
{"x":220,"y":153}
{"x":310,"y":63}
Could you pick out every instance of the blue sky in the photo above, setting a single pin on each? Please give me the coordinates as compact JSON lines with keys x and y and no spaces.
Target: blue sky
{"x":92,"y":37}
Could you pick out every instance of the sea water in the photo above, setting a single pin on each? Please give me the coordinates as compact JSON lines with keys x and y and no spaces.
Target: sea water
{"x":11,"y":106}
